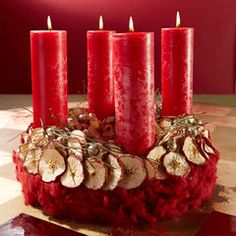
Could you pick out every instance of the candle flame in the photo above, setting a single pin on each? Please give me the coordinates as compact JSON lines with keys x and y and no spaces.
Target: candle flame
{"x":101,"y":23}
{"x":131,"y":24}
{"x":177,"y":19}
{"x":49,"y":23}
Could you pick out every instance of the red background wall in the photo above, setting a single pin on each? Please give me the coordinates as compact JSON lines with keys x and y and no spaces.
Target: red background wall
{"x":215,"y":36}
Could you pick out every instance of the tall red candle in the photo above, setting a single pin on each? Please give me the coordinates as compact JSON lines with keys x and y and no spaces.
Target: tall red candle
{"x":100,"y":80}
{"x":134,"y":91}
{"x":177,"y":69}
{"x":49,"y":76}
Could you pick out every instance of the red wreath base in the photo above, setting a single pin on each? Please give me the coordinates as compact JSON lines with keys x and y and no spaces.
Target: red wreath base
{"x":153,"y":200}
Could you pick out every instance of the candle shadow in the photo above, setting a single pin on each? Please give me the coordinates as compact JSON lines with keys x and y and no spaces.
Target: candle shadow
{"x":234,"y":78}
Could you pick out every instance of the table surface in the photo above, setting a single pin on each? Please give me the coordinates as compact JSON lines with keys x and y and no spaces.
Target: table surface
{"x":219,"y":112}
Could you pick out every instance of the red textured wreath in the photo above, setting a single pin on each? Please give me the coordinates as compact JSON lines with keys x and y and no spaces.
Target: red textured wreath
{"x":153,"y":200}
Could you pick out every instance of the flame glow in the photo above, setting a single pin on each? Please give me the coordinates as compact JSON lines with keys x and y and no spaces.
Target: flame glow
{"x":177,"y":19}
{"x":49,"y":23}
{"x":131,"y":24}
{"x":100,"y":23}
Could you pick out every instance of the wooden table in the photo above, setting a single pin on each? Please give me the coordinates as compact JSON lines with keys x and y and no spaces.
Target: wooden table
{"x":222,"y":122}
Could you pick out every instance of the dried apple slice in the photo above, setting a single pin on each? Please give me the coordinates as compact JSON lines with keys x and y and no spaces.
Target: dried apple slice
{"x":165,"y":123}
{"x":96,"y":174}
{"x":51,"y":165}
{"x":74,"y":175}
{"x":50,"y":145}
{"x":79,"y":135}
{"x":208,"y":149}
{"x":206,"y":133}
{"x":75,"y":147}
{"x":60,"y":148}
{"x":165,"y":138}
{"x":115,"y":173}
{"x":159,"y":172}
{"x":32,"y":160}
{"x":51,"y":131}
{"x":156,"y":153}
{"x":150,"y":169}
{"x":25,"y":137}
{"x":24,"y":149}
{"x":192,"y":153}
{"x":37,"y":135}
{"x":202,"y":144}
{"x":134,"y":171}
{"x":176,"y":164}
{"x":209,"y":143}
{"x":43,"y":142}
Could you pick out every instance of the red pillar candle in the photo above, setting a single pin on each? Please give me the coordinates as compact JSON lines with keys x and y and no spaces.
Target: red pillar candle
{"x":49,"y":76}
{"x":134,"y":90}
{"x":100,"y":80}
{"x":177,"y":69}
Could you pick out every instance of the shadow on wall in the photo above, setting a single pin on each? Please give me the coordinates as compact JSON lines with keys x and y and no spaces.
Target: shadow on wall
{"x":214,"y":23}
{"x":234,"y":56}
